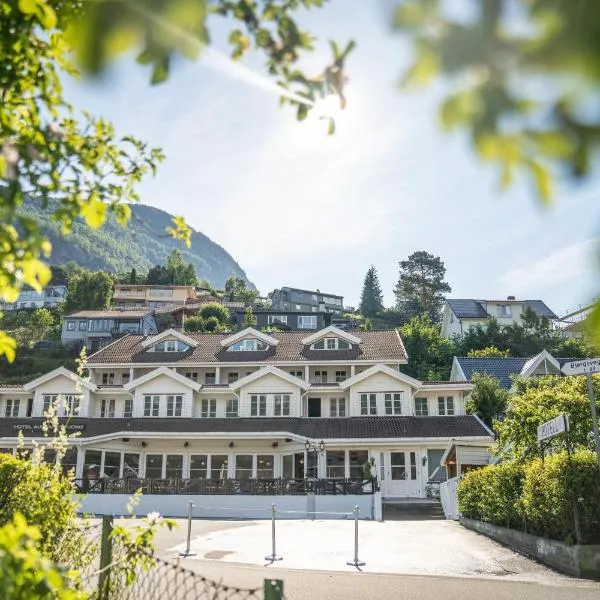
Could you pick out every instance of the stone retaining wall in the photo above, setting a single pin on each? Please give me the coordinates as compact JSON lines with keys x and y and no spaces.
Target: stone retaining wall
{"x":579,"y":561}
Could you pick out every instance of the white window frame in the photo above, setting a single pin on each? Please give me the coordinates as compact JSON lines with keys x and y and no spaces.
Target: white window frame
{"x":321,"y":376}
{"x":212,"y":375}
{"x":232,"y":408}
{"x":504,"y":311}
{"x":107,"y":408}
{"x":153,"y":406}
{"x":446,"y":406}
{"x":310,"y":318}
{"x":337,"y":407}
{"x":419,"y":411}
{"x":48,"y":400}
{"x":392,"y":402}
{"x":208,"y":408}
{"x":128,"y":408}
{"x":258,"y":405}
{"x":283,"y":407}
{"x":341,"y":376}
{"x":368,"y":404}
{"x":12,"y":407}
{"x":331,"y":343}
{"x":70,"y":325}
{"x":249,"y":345}
{"x":71,"y":404}
{"x":108,"y":378}
{"x":274,"y":319}
{"x":174,"y":405}
{"x":299,"y":374}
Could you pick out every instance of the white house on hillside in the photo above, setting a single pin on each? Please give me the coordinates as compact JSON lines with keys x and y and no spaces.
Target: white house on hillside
{"x":460,"y":315}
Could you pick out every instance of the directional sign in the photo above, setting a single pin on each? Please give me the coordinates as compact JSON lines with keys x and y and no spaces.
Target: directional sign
{"x":552,"y":428}
{"x":581,"y":367}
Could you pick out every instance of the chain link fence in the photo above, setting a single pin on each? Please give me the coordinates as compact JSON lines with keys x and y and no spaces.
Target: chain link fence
{"x":106,"y":568}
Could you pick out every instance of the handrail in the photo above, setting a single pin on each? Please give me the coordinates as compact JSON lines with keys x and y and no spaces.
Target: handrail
{"x":251,"y":487}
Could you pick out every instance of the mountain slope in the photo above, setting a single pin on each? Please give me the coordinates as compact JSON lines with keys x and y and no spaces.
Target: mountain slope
{"x":142,"y":244}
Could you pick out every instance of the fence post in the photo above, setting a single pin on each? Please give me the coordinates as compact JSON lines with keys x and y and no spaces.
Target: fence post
{"x":356,"y":562}
{"x":273,"y":589}
{"x":273,"y":557}
{"x":189,"y":532}
{"x":105,"y":556}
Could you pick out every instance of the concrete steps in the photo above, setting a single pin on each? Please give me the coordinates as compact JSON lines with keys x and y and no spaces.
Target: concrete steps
{"x":412,"y":511}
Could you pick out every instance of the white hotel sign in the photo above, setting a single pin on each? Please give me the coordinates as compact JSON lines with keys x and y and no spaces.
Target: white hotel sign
{"x":551,"y":428}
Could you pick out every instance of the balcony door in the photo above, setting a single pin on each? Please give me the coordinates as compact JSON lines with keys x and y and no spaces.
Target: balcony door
{"x":314,"y":407}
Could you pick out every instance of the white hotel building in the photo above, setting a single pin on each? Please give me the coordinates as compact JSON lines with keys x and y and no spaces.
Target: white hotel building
{"x":249,"y":413}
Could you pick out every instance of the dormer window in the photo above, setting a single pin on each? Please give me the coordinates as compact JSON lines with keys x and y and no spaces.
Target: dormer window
{"x":248,"y":345}
{"x":170,"y":346}
{"x":331,"y":344}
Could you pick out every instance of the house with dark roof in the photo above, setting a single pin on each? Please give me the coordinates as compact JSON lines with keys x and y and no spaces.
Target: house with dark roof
{"x":460,"y":315}
{"x":504,"y":369}
{"x":249,"y":412}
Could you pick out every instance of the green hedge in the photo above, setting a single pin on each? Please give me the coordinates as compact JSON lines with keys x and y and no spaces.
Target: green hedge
{"x":537,"y":497}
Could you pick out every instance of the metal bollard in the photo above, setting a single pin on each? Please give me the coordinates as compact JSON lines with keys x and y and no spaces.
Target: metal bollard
{"x":273,"y":557}
{"x":189,"y":532}
{"x":356,"y":562}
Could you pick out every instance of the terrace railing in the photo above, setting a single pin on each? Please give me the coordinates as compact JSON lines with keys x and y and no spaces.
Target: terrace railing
{"x":251,"y":487}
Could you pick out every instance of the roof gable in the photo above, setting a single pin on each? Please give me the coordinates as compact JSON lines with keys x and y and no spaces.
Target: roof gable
{"x":162,"y":371}
{"x":381,"y":368}
{"x":169,"y":334}
{"x":532,"y":364}
{"x":331,"y":331}
{"x":249,"y":332}
{"x":60,"y":372}
{"x":270,"y":370}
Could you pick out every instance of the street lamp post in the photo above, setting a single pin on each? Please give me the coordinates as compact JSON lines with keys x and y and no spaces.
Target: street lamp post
{"x":317,"y":449}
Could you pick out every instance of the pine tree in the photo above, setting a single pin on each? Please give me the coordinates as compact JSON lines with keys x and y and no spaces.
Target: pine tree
{"x":371,"y":299}
{"x":421,"y":286}
{"x":133,"y":276}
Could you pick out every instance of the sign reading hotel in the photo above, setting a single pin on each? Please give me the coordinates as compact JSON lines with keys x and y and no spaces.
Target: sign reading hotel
{"x":581,"y":367}
{"x":37,"y":427}
{"x":554,"y":427}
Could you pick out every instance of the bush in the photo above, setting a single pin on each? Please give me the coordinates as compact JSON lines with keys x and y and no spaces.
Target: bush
{"x":537,"y":497}
{"x":43,"y":496}
{"x":194,"y":324}
{"x":553,"y":487}
{"x":492,"y":494}
{"x":24,"y":572}
{"x":214,"y":309}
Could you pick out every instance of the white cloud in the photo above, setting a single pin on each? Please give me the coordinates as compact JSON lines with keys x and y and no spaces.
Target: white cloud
{"x":568,"y":264}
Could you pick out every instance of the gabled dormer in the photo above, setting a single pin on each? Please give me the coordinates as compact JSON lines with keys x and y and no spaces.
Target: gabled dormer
{"x":169,"y":341}
{"x":249,"y":340}
{"x":331,"y":338}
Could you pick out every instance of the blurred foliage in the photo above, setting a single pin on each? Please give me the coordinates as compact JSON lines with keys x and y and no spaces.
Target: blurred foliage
{"x":521,"y":74}
{"x":24,"y":572}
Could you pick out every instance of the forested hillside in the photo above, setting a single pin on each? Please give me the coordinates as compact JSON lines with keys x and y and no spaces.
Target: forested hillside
{"x":142,"y":244}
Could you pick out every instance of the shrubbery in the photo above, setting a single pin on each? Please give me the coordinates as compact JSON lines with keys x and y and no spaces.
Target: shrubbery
{"x":45,"y":499}
{"x":537,"y":497}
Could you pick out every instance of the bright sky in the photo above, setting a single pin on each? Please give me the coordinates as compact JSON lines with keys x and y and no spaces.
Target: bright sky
{"x":296,"y":207}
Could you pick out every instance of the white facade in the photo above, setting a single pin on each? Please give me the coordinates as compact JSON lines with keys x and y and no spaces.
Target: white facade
{"x":455,"y":322}
{"x":153,"y":415}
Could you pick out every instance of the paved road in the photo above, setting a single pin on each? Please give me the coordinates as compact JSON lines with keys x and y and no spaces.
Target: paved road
{"x":404,"y":560}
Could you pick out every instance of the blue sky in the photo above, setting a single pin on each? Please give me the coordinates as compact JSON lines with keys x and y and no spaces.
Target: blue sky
{"x":296,"y":207}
